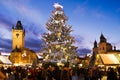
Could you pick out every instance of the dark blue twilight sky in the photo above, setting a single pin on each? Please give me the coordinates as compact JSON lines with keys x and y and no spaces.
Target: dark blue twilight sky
{"x":88,"y":19}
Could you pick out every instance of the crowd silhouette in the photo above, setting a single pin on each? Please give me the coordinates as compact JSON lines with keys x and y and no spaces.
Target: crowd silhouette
{"x":57,"y":73}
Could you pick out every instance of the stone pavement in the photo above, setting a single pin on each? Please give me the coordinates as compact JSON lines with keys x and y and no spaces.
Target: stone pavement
{"x":104,"y":78}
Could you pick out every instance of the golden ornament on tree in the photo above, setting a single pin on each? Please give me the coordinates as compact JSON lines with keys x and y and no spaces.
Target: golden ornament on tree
{"x":59,"y":34}
{"x":57,"y":46}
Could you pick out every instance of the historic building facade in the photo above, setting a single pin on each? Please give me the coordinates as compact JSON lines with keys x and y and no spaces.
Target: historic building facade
{"x":19,"y":54}
{"x":104,"y":54}
{"x":18,"y":35}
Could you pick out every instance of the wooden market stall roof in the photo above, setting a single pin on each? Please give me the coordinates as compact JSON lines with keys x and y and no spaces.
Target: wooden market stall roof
{"x":109,"y":59}
{"x":4,"y":60}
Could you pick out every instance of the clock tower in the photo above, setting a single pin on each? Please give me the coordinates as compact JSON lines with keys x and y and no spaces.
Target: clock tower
{"x":18,"y":35}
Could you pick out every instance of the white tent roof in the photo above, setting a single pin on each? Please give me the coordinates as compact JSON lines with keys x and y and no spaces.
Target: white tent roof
{"x":109,"y":59}
{"x":39,"y":56}
{"x":5,"y":60}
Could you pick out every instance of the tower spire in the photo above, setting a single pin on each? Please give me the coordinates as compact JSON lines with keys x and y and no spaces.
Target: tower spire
{"x":102,"y":38}
{"x":95,"y":44}
{"x":19,"y":25}
{"x":114,"y":48}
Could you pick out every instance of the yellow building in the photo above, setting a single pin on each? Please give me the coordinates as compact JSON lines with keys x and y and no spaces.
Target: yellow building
{"x":19,"y":54}
{"x":18,"y":35}
{"x":104,"y":54}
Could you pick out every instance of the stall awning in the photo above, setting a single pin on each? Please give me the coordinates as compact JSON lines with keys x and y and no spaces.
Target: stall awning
{"x":4,"y":60}
{"x":109,"y":59}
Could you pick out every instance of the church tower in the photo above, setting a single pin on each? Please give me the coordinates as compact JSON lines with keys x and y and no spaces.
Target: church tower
{"x":18,"y":35}
{"x":102,"y":45}
{"x":94,"y":55}
{"x":95,"y":48}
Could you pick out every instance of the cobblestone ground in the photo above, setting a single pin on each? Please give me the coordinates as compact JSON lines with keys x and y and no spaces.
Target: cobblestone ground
{"x":104,"y":78}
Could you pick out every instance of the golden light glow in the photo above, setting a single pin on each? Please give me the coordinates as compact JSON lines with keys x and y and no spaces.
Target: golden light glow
{"x":60,"y":64}
{"x":109,"y":59}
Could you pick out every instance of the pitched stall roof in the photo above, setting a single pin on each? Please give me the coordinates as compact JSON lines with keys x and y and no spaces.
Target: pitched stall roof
{"x":109,"y":59}
{"x":4,"y":60}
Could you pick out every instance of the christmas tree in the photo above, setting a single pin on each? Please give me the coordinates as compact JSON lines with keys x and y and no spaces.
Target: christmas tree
{"x":58,"y":41}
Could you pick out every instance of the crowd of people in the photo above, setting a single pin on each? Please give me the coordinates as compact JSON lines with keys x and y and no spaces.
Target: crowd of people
{"x":56,"y":73}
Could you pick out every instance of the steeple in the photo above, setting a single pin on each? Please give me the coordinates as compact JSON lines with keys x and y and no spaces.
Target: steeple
{"x":102,"y":38}
{"x":95,"y":52}
{"x":95,"y":44}
{"x":114,"y":48}
{"x":19,"y":25}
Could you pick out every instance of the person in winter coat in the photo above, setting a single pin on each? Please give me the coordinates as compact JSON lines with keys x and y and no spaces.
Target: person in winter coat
{"x":111,"y":74}
{"x":2,"y":76}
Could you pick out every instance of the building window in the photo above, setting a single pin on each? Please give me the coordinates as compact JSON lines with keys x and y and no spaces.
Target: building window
{"x":17,"y":35}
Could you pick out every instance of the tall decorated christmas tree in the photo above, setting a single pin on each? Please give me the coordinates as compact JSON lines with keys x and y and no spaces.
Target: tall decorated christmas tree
{"x":58,"y":41}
